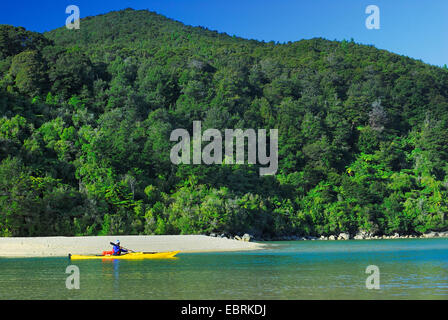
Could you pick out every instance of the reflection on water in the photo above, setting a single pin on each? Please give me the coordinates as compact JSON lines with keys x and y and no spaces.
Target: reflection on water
{"x":110,"y":269}
{"x":409,"y":269}
{"x":116,"y":266}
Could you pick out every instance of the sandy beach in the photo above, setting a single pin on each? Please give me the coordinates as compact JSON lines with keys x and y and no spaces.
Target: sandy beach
{"x":62,"y":246}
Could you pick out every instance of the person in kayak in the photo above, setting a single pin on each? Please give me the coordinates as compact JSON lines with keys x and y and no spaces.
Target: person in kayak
{"x":117,"y":249}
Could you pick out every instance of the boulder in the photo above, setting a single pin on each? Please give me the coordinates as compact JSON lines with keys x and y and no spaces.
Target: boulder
{"x":425,"y":235}
{"x":361,"y":235}
{"x":431,"y":235}
{"x":344,"y":236}
{"x":331,"y":237}
{"x":246,"y":237}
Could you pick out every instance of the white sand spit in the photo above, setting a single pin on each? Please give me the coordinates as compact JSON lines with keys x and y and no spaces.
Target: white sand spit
{"x":62,"y":246}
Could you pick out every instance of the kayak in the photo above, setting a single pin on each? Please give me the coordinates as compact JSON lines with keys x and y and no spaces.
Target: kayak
{"x":127,"y":256}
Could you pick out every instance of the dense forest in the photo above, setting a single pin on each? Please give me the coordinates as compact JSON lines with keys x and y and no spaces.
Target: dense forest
{"x":86,"y":117}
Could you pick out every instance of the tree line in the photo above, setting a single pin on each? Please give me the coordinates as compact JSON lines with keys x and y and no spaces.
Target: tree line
{"x":86,"y":117}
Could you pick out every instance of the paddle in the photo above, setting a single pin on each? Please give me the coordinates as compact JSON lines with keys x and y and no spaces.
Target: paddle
{"x":122,"y":247}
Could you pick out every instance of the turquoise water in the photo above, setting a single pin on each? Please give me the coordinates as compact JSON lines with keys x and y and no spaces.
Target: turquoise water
{"x":409,"y":269}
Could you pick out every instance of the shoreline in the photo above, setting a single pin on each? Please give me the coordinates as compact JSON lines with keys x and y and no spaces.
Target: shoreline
{"x":358,"y":236}
{"x":62,"y":246}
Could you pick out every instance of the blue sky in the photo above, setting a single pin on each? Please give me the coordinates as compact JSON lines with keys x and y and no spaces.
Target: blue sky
{"x":415,"y":28}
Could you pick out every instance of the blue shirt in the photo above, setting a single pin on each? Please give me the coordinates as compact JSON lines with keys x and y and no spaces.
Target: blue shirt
{"x":118,"y":250}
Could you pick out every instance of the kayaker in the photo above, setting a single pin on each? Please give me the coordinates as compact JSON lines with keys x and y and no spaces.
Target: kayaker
{"x":117,"y":249}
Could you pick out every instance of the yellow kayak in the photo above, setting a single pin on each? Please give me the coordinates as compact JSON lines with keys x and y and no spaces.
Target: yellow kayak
{"x":128,"y":256}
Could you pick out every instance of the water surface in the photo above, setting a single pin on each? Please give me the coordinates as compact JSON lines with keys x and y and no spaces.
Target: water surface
{"x":409,"y":269}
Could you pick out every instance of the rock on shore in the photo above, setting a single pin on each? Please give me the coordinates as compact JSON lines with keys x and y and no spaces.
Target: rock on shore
{"x":361,"y":235}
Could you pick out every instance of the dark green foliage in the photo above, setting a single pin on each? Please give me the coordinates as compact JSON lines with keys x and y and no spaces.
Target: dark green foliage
{"x":15,"y":40}
{"x":86,"y":117}
{"x":27,"y":72}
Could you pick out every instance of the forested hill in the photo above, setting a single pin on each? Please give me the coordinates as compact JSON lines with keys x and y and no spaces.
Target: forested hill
{"x":86,"y":118}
